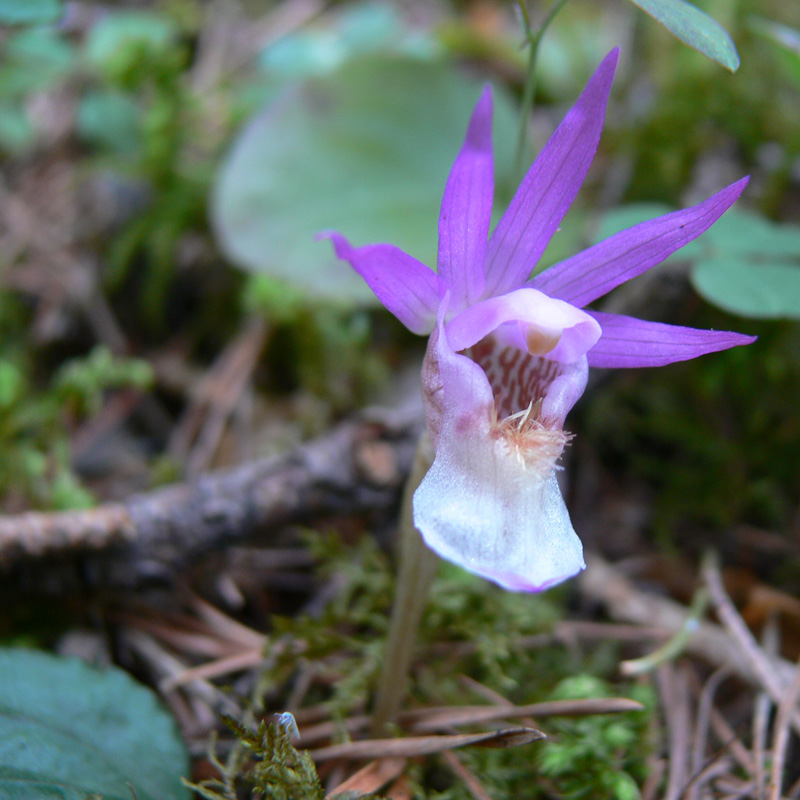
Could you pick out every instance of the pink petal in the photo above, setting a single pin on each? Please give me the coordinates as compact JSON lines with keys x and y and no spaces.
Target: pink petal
{"x":452,"y":384}
{"x":588,"y":275}
{"x":630,"y":342}
{"x":478,"y":506}
{"x":545,"y":326}
{"x":407,"y":287}
{"x":549,"y":188}
{"x":565,"y":390}
{"x":467,"y":210}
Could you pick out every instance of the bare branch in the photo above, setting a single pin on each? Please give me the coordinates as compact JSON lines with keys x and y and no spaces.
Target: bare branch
{"x":359,"y":467}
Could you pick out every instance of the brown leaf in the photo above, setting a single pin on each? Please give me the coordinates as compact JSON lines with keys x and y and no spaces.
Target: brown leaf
{"x":410,"y":746}
{"x":372,"y":777}
{"x":429,"y":719}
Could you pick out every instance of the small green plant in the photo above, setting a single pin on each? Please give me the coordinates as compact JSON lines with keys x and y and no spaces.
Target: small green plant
{"x":598,"y":757}
{"x":34,"y":423}
{"x":145,"y":122}
{"x":471,"y":629}
{"x":33,"y":60}
{"x":81,"y":383}
{"x":276,"y":770}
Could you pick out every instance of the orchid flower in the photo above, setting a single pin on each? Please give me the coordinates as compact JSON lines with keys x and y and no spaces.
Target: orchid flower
{"x":508,"y":356}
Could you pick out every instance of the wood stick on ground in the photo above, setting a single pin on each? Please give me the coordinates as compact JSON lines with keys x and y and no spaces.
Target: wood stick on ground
{"x":474,"y":786}
{"x":762,"y":709}
{"x":768,"y":676}
{"x":624,"y":602}
{"x":358,"y":467}
{"x":702,"y":727}
{"x":196,"y":438}
{"x":780,"y":739}
{"x":674,"y":691}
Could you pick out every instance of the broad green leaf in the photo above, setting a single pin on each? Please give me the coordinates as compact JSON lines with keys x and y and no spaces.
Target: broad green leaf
{"x":68,"y":730}
{"x":695,"y":28}
{"x":29,"y":12}
{"x":366,"y":151}
{"x":748,"y":289}
{"x":743,"y":263}
{"x":45,"y":49}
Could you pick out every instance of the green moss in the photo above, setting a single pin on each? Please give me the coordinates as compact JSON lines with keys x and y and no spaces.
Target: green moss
{"x":471,"y":629}
{"x":35,"y":422}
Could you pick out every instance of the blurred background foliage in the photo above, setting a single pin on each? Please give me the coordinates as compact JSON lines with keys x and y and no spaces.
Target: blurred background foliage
{"x":167,"y":166}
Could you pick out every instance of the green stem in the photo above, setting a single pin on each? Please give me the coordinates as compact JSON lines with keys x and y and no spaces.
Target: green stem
{"x":415,"y":575}
{"x":677,"y":644}
{"x":534,"y":39}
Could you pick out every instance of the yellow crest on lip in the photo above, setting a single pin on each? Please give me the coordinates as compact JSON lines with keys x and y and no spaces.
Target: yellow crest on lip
{"x":540,"y":342}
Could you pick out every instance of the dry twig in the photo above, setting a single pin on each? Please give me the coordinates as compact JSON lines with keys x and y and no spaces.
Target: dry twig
{"x":474,"y":786}
{"x":780,"y":737}
{"x":765,"y":670}
{"x":411,"y":746}
{"x":373,"y":777}
{"x":623,"y":601}
{"x":674,"y":690}
{"x":153,"y":536}
{"x":197,"y":437}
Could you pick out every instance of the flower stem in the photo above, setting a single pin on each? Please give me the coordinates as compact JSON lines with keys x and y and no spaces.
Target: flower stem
{"x":534,"y":38}
{"x":415,"y":575}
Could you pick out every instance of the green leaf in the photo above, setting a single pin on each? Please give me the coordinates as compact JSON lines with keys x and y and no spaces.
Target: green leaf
{"x":119,"y":31}
{"x":16,"y":131}
{"x":29,"y":12}
{"x":68,"y":730}
{"x":12,"y":384}
{"x":695,"y":28}
{"x":742,"y":263}
{"x":33,"y":60}
{"x":748,"y":289}
{"x":109,"y":119}
{"x":366,"y":151}
{"x":743,"y":233}
{"x":44,"y":49}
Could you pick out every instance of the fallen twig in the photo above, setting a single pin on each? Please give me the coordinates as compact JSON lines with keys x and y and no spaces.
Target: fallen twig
{"x":624,"y":602}
{"x":430,"y":719}
{"x":780,"y":737}
{"x":474,"y":786}
{"x":674,"y":690}
{"x":358,"y":467}
{"x":426,"y":720}
{"x":765,"y":670}
{"x":411,"y":746}
{"x":371,"y":778}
